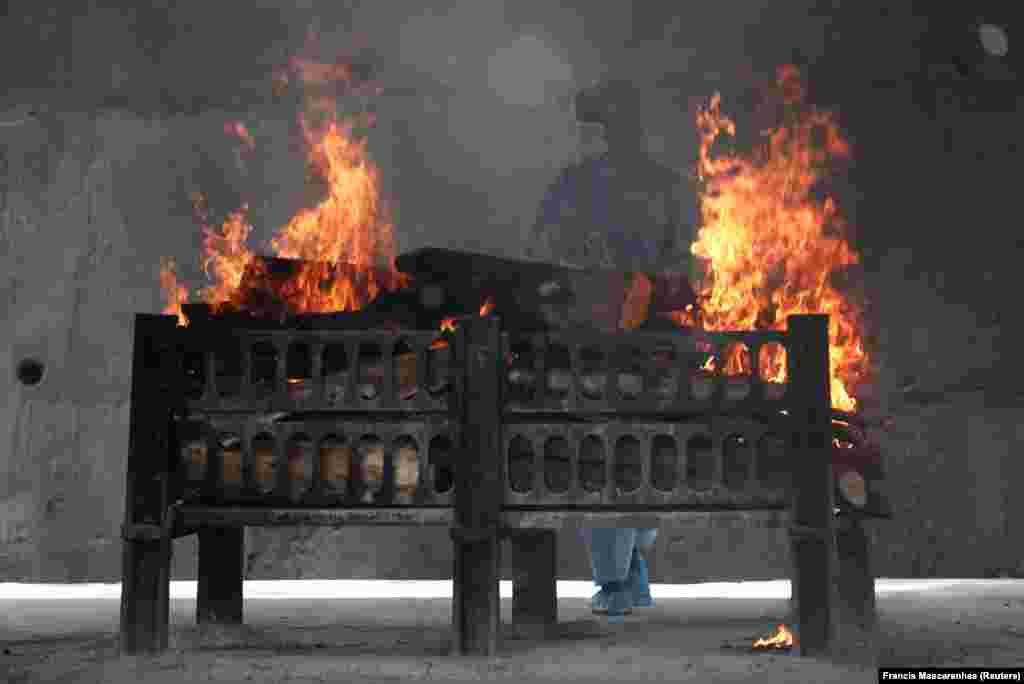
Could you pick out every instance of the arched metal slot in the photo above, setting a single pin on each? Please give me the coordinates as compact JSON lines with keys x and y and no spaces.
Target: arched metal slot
{"x":439,"y":366}
{"x":736,"y":457}
{"x":593,"y":373}
{"x":773,"y":469}
{"x":335,"y":368}
{"x":264,"y":463}
{"x":263,"y":368}
{"x":405,"y":371}
{"x":773,"y":369}
{"x":737,"y":371}
{"x":630,"y":371}
{"x":371,"y":371}
{"x":557,"y":465}
{"x":441,"y":464}
{"x":370,"y":471}
{"x":407,"y":469}
{"x":664,"y":463}
{"x":700,"y":463}
{"x":522,"y":373}
{"x":628,"y":464}
{"x":558,"y":365}
{"x":592,"y":464}
{"x":520,"y":465}
{"x":301,"y":454}
{"x":228,"y":369}
{"x":665,"y":379}
{"x":299,"y":371}
{"x":335,"y":466}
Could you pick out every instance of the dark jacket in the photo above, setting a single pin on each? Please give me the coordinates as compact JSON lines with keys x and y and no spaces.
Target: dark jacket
{"x":602,"y":214}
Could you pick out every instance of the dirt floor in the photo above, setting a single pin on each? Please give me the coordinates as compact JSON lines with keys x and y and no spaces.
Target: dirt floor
{"x":372,"y":640}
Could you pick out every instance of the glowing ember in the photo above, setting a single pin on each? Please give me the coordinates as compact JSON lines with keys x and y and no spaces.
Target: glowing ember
{"x":769,"y":246}
{"x":449,"y":324}
{"x":782,"y":638}
{"x":345,"y":242}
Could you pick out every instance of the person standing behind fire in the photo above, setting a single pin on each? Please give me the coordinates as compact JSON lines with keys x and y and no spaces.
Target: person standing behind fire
{"x":620,"y":210}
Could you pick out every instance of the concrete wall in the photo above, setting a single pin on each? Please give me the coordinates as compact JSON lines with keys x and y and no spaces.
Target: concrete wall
{"x":92,"y":196}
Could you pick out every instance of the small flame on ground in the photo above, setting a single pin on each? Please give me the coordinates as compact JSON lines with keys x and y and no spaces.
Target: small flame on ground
{"x":781,"y":638}
{"x":448,"y":325}
{"x":770,"y":248}
{"x":487,"y":307}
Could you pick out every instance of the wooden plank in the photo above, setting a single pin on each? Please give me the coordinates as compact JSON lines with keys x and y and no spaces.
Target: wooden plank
{"x":221,"y":571}
{"x":534,"y":564}
{"x":813,"y":532}
{"x":155,"y":393}
{"x":479,"y":490}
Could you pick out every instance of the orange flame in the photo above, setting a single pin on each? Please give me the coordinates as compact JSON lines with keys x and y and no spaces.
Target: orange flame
{"x":769,"y":247}
{"x":350,"y":225}
{"x":782,"y":638}
{"x":448,"y":325}
{"x":487,"y":307}
{"x":174,"y":294}
{"x":345,"y":241}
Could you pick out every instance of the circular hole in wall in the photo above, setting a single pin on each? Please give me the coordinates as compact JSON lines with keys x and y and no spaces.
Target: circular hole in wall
{"x":30,"y":372}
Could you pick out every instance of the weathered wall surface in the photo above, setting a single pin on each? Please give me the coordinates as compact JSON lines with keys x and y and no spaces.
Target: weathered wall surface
{"x":92,"y":197}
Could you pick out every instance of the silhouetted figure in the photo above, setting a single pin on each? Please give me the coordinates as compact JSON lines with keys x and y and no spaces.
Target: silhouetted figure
{"x":620,"y":210}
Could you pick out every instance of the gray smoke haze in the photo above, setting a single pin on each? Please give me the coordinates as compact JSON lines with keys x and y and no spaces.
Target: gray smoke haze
{"x":476,"y":118}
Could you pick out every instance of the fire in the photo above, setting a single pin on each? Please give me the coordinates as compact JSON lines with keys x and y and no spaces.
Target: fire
{"x":175,"y":294}
{"x":782,"y":638}
{"x":770,"y":247}
{"x":350,"y":225}
{"x":345,"y":241}
{"x":449,"y":324}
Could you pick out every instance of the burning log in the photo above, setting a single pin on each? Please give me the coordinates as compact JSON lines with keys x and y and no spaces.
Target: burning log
{"x":535,"y":296}
{"x":436,"y":288}
{"x":276,"y":288}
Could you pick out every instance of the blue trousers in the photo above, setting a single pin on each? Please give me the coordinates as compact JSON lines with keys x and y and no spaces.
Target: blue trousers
{"x":611,"y":550}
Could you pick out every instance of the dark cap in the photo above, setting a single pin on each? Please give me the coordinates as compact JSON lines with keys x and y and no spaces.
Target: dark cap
{"x":606,"y":101}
